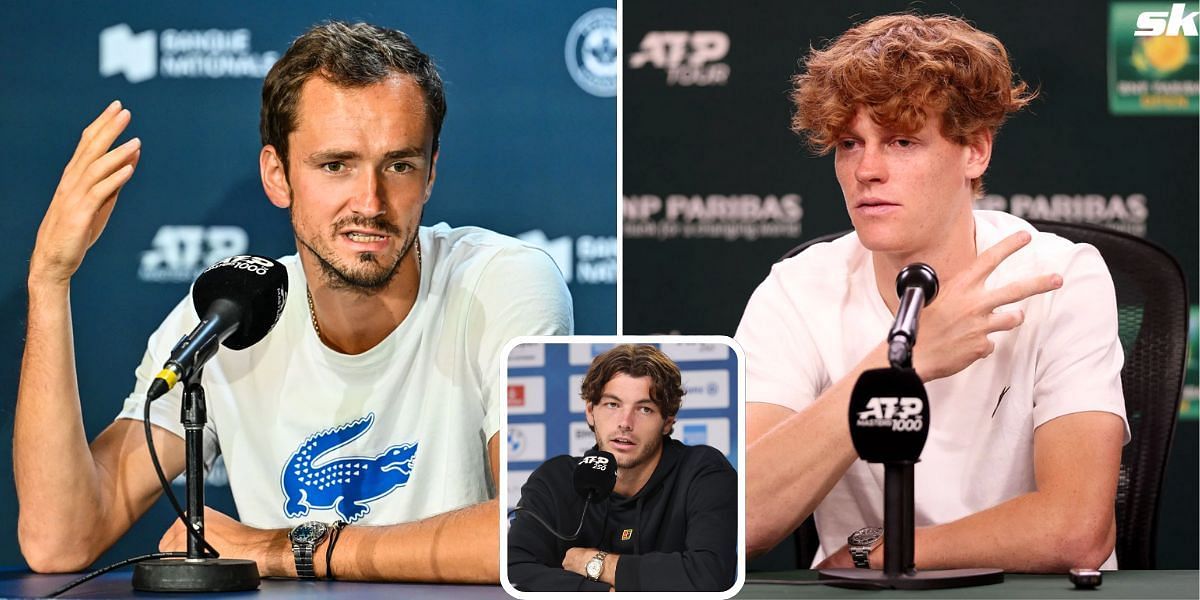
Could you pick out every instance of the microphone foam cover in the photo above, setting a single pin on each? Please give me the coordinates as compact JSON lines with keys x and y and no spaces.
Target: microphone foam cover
{"x":889,"y":415}
{"x":257,"y":285}
{"x":918,"y":275}
{"x":596,"y":474}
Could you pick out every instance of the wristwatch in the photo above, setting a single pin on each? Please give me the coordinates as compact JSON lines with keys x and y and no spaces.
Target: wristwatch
{"x":861,"y":543}
{"x":304,"y":538}
{"x":595,"y":566}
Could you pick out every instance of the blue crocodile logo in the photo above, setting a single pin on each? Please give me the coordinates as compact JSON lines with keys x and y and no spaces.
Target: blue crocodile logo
{"x":346,"y":484}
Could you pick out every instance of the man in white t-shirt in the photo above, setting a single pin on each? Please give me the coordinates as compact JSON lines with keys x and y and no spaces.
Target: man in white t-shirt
{"x":1018,"y":352}
{"x":373,"y":401}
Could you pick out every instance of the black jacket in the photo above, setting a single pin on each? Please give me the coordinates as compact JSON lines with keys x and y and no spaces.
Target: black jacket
{"x":681,"y":527}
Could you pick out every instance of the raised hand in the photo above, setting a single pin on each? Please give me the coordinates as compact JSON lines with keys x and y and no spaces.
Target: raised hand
{"x":85,"y":197}
{"x":955,"y":326}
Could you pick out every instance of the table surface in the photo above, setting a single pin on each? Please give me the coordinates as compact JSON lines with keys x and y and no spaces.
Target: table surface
{"x":116,"y":584}
{"x":1117,"y":584}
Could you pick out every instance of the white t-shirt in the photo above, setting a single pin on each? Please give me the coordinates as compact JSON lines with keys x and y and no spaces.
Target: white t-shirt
{"x":819,"y":313}
{"x":394,"y":434}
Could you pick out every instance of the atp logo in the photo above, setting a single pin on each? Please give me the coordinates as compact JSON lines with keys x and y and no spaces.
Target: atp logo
{"x":348,"y":484}
{"x":134,"y":55}
{"x":688,"y":57}
{"x":181,"y":252}
{"x":896,"y":413}
{"x":599,"y":463}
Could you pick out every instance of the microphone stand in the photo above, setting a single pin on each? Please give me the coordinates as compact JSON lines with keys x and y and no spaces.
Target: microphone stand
{"x":197,"y":572}
{"x":899,"y":565}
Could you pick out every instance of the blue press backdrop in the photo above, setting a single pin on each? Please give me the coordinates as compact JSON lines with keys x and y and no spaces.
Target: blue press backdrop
{"x":526,"y":151}
{"x":546,"y":415}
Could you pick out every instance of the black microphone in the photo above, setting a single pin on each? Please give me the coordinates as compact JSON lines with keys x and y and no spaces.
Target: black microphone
{"x":889,"y":415}
{"x":917,"y":286}
{"x":595,"y":475}
{"x":239,"y":300}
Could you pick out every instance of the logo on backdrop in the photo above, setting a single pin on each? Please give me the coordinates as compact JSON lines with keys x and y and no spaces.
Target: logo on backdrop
{"x":1123,"y":213}
{"x":713,"y":216}
{"x":690,"y":58}
{"x":179,"y":253}
{"x":181,"y":54}
{"x":590,"y":260}
{"x":1174,"y":23}
{"x":349,"y":484}
{"x":591,"y":52}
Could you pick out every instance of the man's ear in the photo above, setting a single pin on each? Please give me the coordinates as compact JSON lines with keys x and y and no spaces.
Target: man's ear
{"x":587,"y":412}
{"x":666,"y":430}
{"x":979,"y":153}
{"x":432,"y":176}
{"x":274,"y":177}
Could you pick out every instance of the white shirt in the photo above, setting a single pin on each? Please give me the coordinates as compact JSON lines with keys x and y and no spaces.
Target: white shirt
{"x":820,"y":313}
{"x":404,"y":426}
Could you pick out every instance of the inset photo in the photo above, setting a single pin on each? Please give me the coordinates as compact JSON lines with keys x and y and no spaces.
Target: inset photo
{"x":624,"y":466}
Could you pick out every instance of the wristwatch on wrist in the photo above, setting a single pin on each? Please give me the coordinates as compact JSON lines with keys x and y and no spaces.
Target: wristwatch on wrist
{"x":595,"y":566}
{"x":304,"y":538}
{"x":861,"y":543}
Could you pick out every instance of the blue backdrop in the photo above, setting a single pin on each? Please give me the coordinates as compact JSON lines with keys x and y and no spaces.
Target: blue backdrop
{"x":546,"y":414}
{"x":526,"y":151}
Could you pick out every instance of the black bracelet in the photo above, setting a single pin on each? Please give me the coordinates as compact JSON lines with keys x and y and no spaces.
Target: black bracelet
{"x":335,"y":532}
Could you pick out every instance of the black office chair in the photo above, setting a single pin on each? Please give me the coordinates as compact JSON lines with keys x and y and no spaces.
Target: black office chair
{"x":1152,"y":320}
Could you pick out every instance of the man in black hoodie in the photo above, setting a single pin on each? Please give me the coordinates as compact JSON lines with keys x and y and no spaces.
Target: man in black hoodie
{"x":671,"y":521}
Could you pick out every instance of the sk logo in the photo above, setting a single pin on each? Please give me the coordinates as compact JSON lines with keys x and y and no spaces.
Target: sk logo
{"x":625,"y":535}
{"x":347,"y":484}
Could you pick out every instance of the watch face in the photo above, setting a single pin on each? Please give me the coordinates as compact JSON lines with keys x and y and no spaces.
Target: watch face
{"x":307,"y":533}
{"x":593,"y":568}
{"x":865,"y":536}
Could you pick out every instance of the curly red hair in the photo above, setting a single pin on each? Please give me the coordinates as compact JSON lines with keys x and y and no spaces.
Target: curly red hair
{"x":904,"y":68}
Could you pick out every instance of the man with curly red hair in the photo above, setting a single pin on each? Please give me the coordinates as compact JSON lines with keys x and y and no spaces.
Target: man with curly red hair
{"x":1019,"y":351}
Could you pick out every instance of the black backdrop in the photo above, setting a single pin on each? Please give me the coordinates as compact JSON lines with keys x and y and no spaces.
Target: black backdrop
{"x":716,"y":187}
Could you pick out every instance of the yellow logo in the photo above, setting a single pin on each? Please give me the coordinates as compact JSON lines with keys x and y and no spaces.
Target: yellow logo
{"x":625,"y":535}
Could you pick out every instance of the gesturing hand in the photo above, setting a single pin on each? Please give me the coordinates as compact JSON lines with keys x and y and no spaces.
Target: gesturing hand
{"x":85,"y":197}
{"x":954,"y":327}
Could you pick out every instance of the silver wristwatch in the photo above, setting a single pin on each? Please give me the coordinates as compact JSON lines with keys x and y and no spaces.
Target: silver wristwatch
{"x":861,"y":543}
{"x":595,"y":566}
{"x":305,"y":537}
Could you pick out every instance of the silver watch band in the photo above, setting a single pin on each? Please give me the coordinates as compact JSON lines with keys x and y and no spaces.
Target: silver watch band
{"x":861,"y":556}
{"x":303,"y":554}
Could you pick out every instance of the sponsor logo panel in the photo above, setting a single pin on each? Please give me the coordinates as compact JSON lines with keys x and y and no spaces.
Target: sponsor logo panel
{"x":727,"y":217}
{"x":686,"y":352}
{"x":591,"y":52}
{"x":581,"y":438}
{"x":516,"y":479}
{"x":526,"y":395}
{"x":575,"y":404}
{"x":526,"y":442}
{"x":181,"y":54}
{"x":587,"y":259}
{"x":710,"y":432}
{"x":1153,"y":58}
{"x":527,"y":355}
{"x":706,"y":388}
{"x":1128,"y":213}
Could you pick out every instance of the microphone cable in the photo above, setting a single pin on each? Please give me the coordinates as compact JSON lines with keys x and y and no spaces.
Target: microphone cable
{"x":586,"y":503}
{"x":116,"y":565}
{"x":166,"y":486}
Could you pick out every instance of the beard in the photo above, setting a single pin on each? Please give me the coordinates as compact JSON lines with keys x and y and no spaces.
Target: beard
{"x":370,"y":272}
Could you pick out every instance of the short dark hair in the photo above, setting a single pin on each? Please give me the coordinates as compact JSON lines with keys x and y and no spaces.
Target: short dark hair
{"x":666,"y":384}
{"x":348,"y":55}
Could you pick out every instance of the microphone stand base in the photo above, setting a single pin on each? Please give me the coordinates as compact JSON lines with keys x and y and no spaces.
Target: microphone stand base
{"x":196,"y":575}
{"x":917,"y":580}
